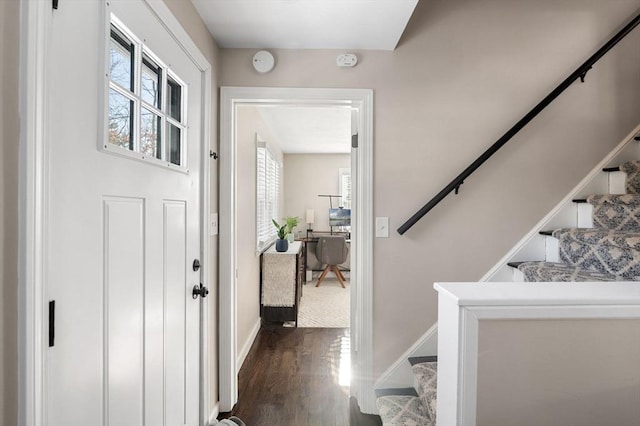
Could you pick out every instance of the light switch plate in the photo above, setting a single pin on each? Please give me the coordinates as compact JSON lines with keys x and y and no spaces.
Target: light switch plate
{"x":382,"y":227}
{"x":213,"y":224}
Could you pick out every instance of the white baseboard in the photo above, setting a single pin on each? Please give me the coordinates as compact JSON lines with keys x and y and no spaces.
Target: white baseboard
{"x":213,"y":416}
{"x":242,"y":355}
{"x":400,"y":375}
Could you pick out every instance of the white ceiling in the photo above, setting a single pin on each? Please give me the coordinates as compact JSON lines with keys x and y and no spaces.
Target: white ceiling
{"x":306,"y":24}
{"x":310,"y":130}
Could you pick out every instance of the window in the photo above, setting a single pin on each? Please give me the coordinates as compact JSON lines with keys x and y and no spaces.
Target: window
{"x":344,"y":176}
{"x":268,"y":171}
{"x":146,"y":101}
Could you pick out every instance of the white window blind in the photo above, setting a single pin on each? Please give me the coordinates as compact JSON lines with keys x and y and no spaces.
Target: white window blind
{"x":268,"y":171}
{"x":345,"y":187}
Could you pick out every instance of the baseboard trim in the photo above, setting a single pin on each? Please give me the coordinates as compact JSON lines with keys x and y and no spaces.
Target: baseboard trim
{"x":400,"y":373}
{"x":242,"y":355}
{"x":213,"y":416}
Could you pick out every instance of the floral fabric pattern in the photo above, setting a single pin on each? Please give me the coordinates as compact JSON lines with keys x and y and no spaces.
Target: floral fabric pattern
{"x":426,"y":374}
{"x":402,"y":410}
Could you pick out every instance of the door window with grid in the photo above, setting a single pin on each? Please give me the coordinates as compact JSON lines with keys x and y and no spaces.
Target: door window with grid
{"x":146,"y":103}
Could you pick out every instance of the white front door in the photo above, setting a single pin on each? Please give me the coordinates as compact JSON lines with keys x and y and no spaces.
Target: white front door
{"x":123,"y":219}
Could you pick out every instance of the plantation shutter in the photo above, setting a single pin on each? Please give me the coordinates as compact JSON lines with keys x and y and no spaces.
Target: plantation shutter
{"x":268,"y":171}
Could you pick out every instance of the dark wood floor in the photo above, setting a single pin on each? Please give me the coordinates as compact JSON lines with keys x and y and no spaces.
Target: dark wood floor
{"x":290,"y":378}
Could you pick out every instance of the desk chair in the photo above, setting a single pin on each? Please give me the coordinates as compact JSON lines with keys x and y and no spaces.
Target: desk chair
{"x":332,"y":251}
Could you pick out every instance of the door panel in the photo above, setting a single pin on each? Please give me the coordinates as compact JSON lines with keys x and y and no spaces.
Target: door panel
{"x":122,"y":234}
{"x":124,"y":252}
{"x":175,"y":309}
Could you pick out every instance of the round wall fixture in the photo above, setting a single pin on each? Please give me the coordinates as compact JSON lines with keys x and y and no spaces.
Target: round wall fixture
{"x":263,"y":61}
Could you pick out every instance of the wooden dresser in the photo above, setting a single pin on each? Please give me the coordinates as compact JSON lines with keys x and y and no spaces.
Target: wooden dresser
{"x":281,"y":277}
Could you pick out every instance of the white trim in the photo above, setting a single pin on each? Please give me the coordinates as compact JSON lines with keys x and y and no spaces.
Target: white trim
{"x":574,"y":193}
{"x":462,"y":305}
{"x":35,"y":27}
{"x":213,"y":416}
{"x":247,"y":345}
{"x":36,"y":20}
{"x":400,"y":374}
{"x":362,"y":318}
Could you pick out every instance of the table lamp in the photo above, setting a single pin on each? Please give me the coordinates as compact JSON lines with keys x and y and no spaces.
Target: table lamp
{"x":310,"y":219}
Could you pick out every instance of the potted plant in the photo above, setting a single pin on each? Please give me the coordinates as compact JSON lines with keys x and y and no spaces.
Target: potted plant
{"x":292,"y":222}
{"x":281,"y":243}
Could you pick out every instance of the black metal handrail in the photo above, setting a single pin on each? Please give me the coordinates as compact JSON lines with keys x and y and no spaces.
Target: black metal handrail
{"x":580,"y":73}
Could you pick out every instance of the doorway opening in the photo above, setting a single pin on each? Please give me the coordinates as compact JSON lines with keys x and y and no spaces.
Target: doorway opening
{"x":236,"y":202}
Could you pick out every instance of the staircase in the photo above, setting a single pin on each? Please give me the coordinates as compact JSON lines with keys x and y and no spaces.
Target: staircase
{"x":587,"y":237}
{"x":609,"y":251}
{"x":414,"y":406}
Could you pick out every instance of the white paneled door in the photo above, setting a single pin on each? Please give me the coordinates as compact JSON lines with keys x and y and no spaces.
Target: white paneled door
{"x":123,"y":219}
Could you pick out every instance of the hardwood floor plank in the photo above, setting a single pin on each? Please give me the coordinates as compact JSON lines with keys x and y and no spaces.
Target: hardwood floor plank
{"x":291,"y":378}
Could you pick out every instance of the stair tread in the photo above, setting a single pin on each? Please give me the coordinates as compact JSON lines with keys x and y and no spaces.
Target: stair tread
{"x":403,"y":410}
{"x":553,"y":271}
{"x":395,"y":391}
{"x":422,"y":359}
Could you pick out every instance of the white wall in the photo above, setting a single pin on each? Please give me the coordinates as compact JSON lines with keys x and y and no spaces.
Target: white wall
{"x":559,"y":372}
{"x":249,"y":122}
{"x":9,"y":141}
{"x":306,"y":176}
{"x":464,"y":72}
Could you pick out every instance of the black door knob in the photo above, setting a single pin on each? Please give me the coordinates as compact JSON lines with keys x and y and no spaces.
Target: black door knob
{"x":199,"y":290}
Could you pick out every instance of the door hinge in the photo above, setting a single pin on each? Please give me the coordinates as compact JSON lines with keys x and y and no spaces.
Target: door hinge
{"x":54,"y":4}
{"x":52,"y":322}
{"x":354,"y":141}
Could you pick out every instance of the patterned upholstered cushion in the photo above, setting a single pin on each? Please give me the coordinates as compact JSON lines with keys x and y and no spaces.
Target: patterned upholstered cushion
{"x":402,"y":410}
{"x":426,"y":374}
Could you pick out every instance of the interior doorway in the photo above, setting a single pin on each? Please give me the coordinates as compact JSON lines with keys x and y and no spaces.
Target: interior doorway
{"x":360,"y":102}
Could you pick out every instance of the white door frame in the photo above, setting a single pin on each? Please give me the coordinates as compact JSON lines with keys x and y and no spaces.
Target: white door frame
{"x":361,"y":294}
{"x":35,"y":28}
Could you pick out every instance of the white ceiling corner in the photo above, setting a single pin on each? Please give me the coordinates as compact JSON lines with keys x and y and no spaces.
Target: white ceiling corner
{"x":309,"y":130}
{"x":306,"y":24}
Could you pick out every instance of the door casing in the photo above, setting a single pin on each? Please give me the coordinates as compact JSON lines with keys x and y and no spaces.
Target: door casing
{"x":362,"y":293}
{"x":36,"y":18}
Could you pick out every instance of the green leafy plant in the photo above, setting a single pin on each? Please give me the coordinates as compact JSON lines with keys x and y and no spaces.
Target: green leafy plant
{"x":292,"y":222}
{"x":282,"y":229}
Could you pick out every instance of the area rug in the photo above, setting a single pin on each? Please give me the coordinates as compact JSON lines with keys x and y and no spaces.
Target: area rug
{"x":326,"y":306}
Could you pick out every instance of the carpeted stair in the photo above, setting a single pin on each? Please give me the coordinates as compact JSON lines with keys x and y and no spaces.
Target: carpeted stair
{"x":610,"y":251}
{"x":411,"y":406}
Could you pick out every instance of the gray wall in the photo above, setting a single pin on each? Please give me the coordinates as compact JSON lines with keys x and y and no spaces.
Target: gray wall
{"x":9,"y":134}
{"x":306,"y":176}
{"x":559,"y":372}
{"x":464,"y":72}
{"x":249,"y":122}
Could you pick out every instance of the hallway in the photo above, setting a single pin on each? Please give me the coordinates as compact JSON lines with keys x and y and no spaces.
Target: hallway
{"x":292,"y":376}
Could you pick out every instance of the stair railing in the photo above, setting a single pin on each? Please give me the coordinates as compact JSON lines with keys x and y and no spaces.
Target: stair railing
{"x":580,"y":73}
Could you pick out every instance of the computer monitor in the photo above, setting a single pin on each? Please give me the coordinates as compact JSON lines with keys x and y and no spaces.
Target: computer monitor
{"x":340,"y":217}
